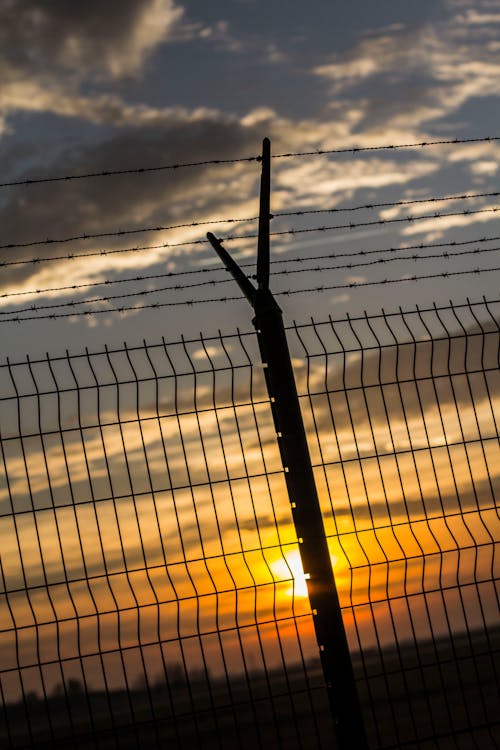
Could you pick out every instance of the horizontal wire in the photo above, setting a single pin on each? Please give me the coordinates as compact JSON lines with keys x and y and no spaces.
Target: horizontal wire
{"x":416,"y":258}
{"x":214,"y":282}
{"x":124,"y":232}
{"x":232,"y":238}
{"x":306,"y":212}
{"x":289,"y":292}
{"x":173,"y":274}
{"x":135,"y":170}
{"x":393,"y":147}
{"x":215,"y":162}
{"x":468,"y":305}
{"x":377,"y":222}
{"x":388,"y":204}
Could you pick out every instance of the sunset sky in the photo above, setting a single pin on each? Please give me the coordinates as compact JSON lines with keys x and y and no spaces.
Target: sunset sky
{"x":129,"y":84}
{"x":141,"y":83}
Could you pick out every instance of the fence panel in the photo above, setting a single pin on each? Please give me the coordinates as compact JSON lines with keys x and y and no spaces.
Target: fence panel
{"x":402,"y":412}
{"x":152,"y":587}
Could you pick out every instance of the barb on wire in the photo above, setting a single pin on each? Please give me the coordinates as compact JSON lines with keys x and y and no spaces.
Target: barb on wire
{"x":276,"y":214}
{"x":215,"y":282}
{"x":288,"y":292}
{"x":215,"y":162}
{"x":275,"y":261}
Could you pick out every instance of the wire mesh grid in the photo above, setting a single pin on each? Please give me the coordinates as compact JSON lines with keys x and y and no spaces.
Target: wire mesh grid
{"x":149,"y":558}
{"x":402,"y":414}
{"x":152,"y":586}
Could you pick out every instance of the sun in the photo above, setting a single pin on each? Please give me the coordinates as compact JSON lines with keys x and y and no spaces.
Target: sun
{"x":290,"y":567}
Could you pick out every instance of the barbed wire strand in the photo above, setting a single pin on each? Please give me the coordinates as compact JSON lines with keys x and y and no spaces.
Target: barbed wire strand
{"x":216,"y":162}
{"x":232,"y":238}
{"x":173,"y":274}
{"x":377,"y":222}
{"x":288,"y":292}
{"x":215,"y":282}
{"x":188,"y":225}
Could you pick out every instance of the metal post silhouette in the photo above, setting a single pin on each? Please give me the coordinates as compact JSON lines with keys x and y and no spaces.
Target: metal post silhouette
{"x":313,"y":545}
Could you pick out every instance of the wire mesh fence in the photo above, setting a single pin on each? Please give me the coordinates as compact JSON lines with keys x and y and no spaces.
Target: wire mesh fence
{"x":152,"y":591}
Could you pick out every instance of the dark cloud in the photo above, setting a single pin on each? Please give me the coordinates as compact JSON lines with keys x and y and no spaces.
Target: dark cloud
{"x":125,"y":202}
{"x":109,"y":37}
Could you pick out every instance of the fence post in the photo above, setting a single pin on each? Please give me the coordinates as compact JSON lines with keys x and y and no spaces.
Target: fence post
{"x":299,"y":475}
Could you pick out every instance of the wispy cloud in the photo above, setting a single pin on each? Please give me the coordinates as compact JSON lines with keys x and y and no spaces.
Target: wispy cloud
{"x":422,"y":74}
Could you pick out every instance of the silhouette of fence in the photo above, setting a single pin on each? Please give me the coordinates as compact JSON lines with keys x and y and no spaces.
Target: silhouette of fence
{"x":152,"y":588}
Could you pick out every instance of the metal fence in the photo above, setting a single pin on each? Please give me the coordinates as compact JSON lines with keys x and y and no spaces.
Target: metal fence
{"x":152,"y":589}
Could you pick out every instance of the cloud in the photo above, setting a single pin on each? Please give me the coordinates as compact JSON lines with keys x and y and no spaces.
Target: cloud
{"x":162,"y":198}
{"x":50,"y":51}
{"x":421,"y":74}
{"x":176,"y":135}
{"x":114,"y":38}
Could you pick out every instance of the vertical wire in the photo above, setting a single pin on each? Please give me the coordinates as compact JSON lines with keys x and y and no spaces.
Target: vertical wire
{"x":164,"y":551}
{"x":146,"y":566}
{"x":386,"y":564}
{"x":38,"y":545}
{"x":372,"y":523}
{"x":436,"y":541}
{"x":72,"y":497}
{"x":476,"y":418}
{"x":23,"y":694}
{"x":484,"y":332}
{"x":243,"y":552}
{"x":238,"y":530}
{"x":28,"y":598}
{"x":407,"y":510}
{"x":120,"y":535}
{"x":177,"y":411}
{"x":448,"y":526}
{"x":202,"y":544}
{"x":157,"y":519}
{"x":59,"y":547}
{"x":105,"y":561}
{"x":81,"y":544}
{"x":476,"y":499}
{"x":309,"y":393}
{"x":410,"y":529}
{"x":345,"y":480}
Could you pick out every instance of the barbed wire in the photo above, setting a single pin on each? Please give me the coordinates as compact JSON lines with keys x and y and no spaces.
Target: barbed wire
{"x":377,"y":222}
{"x":388,"y":204}
{"x":288,"y":292}
{"x":360,"y":149}
{"x":216,"y":162}
{"x":382,"y":261}
{"x":275,"y":214}
{"x":124,"y":232}
{"x":215,"y":282}
{"x":133,"y":170}
{"x":173,"y":274}
{"x":232,"y":238}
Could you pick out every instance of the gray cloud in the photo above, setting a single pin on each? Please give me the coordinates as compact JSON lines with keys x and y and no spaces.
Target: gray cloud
{"x":97,"y":205}
{"x":114,"y":36}
{"x":420,"y":74}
